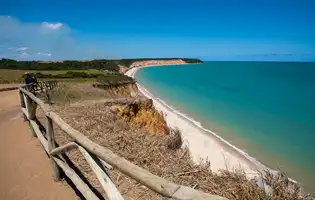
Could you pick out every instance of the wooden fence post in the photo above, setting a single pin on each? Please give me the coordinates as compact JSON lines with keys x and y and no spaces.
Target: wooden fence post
{"x":51,"y":146}
{"x":26,"y":105}
{"x":30,"y":107}
{"x":48,"y":96}
{"x":22,"y":101}
{"x":31,"y":110}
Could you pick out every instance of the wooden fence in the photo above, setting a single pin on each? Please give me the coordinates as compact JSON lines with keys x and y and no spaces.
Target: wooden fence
{"x":98,"y":157}
{"x":45,"y":86}
{"x":42,"y":87}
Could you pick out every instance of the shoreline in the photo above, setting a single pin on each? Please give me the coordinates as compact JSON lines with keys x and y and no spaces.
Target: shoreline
{"x":203,"y":143}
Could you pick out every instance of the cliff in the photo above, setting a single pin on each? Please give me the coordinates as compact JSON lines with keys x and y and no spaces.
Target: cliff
{"x":122,"y":89}
{"x":117,"y":85}
{"x":160,"y":62}
{"x":141,"y":113}
{"x":129,"y":62}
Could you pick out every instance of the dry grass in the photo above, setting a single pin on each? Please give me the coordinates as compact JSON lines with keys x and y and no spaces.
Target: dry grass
{"x":66,"y":93}
{"x":16,"y":75}
{"x":153,"y":153}
{"x":174,"y":139}
{"x":161,"y":155}
{"x":282,"y":187}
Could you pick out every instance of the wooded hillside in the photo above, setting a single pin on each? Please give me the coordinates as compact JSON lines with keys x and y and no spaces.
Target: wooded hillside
{"x":110,"y":65}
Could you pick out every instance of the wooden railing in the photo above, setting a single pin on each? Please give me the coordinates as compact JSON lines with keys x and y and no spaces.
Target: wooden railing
{"x":45,"y":85}
{"x":42,"y":87}
{"x":98,"y":157}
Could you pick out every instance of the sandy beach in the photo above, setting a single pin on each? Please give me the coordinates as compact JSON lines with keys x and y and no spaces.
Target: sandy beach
{"x":202,"y":143}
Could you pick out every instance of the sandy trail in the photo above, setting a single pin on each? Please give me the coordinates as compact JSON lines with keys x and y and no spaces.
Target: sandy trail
{"x":25,"y":169}
{"x":9,"y":85}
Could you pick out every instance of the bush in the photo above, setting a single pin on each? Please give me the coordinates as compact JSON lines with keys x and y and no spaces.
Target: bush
{"x":174,"y":140}
{"x":67,"y":75}
{"x":110,"y":65}
{"x":114,"y":79}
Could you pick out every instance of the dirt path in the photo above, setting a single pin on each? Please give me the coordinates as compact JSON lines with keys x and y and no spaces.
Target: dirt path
{"x":8,"y":85}
{"x":25,"y":170}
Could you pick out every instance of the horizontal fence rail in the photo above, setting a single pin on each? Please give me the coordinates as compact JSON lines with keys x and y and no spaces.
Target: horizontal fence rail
{"x":8,"y":89}
{"x":99,"y":158}
{"x":42,"y":87}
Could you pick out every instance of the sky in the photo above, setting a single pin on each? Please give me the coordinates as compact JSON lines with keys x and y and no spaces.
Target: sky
{"x":231,"y":30}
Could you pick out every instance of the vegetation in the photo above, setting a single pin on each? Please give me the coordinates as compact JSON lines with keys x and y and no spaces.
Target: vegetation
{"x":11,"y":76}
{"x":59,"y":65}
{"x":100,"y":78}
{"x":174,"y":140}
{"x":191,"y":60}
{"x":114,"y":78}
{"x":67,"y":75}
{"x":66,"y":93}
{"x":160,"y":154}
{"x":163,"y":158}
{"x":12,"y":71}
{"x":110,"y":65}
{"x":17,"y":76}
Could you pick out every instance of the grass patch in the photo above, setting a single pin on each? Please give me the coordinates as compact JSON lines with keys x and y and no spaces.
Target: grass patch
{"x":67,"y":75}
{"x":114,"y":79}
{"x":72,"y":80}
{"x":66,"y":93}
{"x":152,"y":153}
{"x":16,"y":75}
{"x":174,"y":140}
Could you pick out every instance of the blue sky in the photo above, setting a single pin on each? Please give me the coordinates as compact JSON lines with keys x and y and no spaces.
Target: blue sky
{"x":210,"y":30}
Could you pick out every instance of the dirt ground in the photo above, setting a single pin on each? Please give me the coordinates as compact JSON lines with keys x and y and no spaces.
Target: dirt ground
{"x":25,"y":169}
{"x":8,"y":85}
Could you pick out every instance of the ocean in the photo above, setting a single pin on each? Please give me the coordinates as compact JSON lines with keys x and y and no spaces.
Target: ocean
{"x":266,"y":109}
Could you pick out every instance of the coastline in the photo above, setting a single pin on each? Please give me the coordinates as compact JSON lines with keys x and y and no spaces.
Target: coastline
{"x":202,"y":143}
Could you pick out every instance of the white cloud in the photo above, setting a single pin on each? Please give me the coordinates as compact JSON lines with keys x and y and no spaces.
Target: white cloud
{"x":21,"y":49}
{"x":24,"y":54}
{"x":43,"y":54}
{"x":53,"y":26}
{"x":44,"y":41}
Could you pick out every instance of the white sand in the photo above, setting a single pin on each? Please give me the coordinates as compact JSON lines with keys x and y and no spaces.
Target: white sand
{"x":202,"y":143}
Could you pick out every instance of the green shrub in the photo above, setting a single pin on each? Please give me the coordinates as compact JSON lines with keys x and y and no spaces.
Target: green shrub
{"x":114,"y":78}
{"x":67,"y":75}
{"x":110,"y":65}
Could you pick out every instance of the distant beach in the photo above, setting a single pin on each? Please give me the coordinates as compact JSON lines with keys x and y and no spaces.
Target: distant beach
{"x":203,"y":144}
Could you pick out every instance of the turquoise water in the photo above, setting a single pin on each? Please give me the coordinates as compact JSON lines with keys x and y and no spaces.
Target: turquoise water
{"x":266,"y":109}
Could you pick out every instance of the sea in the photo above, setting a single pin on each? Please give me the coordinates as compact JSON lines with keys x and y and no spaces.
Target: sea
{"x":266,"y":109}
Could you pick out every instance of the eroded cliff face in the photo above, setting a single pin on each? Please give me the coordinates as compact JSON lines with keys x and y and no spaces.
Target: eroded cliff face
{"x":157,"y":62}
{"x":119,"y":90}
{"x":143,"y":114}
